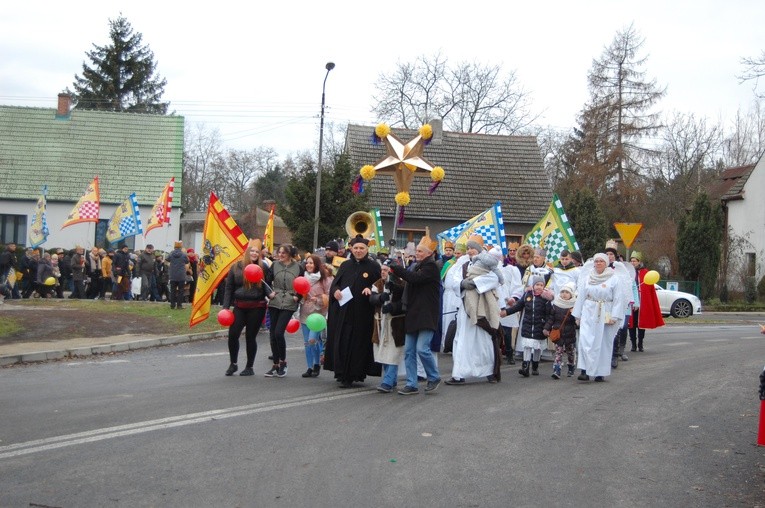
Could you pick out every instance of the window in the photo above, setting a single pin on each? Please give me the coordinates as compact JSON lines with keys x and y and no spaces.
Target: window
{"x":751,"y":264}
{"x":404,"y":236}
{"x":13,"y":229}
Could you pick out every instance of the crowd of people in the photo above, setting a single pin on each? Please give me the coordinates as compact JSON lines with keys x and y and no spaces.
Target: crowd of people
{"x":388,"y":314}
{"x":98,"y":274}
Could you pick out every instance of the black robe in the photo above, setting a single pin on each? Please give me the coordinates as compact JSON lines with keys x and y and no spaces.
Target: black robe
{"x":348,"y":351}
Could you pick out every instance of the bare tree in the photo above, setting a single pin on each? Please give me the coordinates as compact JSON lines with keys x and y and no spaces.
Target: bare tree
{"x":689,"y":149}
{"x":754,"y":69}
{"x":203,"y":167}
{"x":468,"y":97}
{"x":745,"y":142}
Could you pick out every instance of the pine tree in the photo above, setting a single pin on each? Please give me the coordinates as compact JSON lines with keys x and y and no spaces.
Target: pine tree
{"x":122,"y":76}
{"x":588,"y":222}
{"x":699,"y":238}
{"x":338,"y":202}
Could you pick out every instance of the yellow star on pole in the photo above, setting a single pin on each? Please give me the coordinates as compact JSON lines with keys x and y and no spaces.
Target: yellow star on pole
{"x":403,"y":161}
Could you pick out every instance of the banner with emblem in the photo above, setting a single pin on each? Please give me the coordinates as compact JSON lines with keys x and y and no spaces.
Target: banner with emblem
{"x":160,"y":212}
{"x":38,"y":229}
{"x":553,"y":232}
{"x":125,"y":222}
{"x":488,"y":224}
{"x":87,"y":208}
{"x":268,"y":237}
{"x":223,"y":242}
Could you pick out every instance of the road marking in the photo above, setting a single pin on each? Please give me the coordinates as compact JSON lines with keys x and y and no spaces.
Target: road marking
{"x":91,"y":436}
{"x":222,"y":353}
{"x":93,"y":362}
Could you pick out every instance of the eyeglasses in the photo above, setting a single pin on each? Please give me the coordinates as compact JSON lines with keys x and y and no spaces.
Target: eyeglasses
{"x":512,"y":250}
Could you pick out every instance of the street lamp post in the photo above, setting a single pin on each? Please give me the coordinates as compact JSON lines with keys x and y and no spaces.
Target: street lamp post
{"x":329,"y":67}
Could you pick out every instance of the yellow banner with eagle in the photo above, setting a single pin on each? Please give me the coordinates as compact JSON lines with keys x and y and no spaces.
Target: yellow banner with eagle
{"x":223,"y":243}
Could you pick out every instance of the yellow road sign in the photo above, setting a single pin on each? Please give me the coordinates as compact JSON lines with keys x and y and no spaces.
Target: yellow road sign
{"x":628,"y":231}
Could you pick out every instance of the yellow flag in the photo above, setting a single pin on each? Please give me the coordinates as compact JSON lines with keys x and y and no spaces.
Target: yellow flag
{"x":87,"y":208}
{"x":268,"y":237}
{"x":223,"y":244}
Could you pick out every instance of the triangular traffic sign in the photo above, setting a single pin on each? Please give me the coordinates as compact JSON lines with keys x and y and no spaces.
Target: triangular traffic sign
{"x":628,"y":231}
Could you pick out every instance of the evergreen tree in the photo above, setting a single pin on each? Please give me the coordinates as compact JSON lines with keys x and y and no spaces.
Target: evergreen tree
{"x":699,"y":238}
{"x":337,"y":202}
{"x":122,"y":76}
{"x":588,"y":222}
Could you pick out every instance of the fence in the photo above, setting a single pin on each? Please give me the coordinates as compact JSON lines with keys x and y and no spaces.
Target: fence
{"x":687,"y":286}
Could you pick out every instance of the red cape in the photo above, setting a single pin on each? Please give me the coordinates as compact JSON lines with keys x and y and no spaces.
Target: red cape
{"x":649,"y":316}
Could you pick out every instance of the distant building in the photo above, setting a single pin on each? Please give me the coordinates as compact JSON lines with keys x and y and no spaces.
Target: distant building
{"x":480,"y":170}
{"x":740,"y":193}
{"x":65,"y":149}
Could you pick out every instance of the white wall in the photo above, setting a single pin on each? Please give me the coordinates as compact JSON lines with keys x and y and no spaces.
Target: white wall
{"x":746,"y":218}
{"x":84,"y":233}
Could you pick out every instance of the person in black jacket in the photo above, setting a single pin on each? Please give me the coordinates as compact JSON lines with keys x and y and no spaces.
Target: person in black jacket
{"x":249,"y":302}
{"x":561,"y":319}
{"x":422,"y":303}
{"x":536,"y":309}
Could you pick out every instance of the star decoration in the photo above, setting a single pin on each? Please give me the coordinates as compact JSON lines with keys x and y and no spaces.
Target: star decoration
{"x":403,"y":161}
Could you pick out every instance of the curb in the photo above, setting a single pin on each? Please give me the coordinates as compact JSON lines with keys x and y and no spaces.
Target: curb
{"x":78,"y":352}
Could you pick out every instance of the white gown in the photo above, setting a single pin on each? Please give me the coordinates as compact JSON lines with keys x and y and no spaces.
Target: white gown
{"x":595,"y":304}
{"x":473,"y":353}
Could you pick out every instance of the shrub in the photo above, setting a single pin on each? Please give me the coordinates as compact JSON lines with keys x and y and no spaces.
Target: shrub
{"x":750,"y":290}
{"x":724,"y":296}
{"x":761,"y":287}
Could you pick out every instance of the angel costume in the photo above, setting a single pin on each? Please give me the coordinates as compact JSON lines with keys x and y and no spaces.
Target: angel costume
{"x":475,"y":353}
{"x":600,"y":300}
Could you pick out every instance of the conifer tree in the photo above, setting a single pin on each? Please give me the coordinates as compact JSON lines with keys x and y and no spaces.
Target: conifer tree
{"x":699,"y":238}
{"x":121,"y":76}
{"x":588,"y":222}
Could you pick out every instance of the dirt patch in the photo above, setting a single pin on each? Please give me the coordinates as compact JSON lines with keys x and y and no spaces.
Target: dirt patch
{"x":45,"y":324}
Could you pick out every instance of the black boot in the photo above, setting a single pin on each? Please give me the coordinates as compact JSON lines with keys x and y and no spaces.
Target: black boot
{"x":583,"y":376}
{"x":534,"y":368}
{"x":634,"y":344}
{"x":524,"y":371}
{"x":640,"y":344}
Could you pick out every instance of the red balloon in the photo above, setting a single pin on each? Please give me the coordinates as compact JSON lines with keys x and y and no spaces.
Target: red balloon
{"x":301,"y":285}
{"x":253,"y":273}
{"x":293,"y":325}
{"x":226,"y":317}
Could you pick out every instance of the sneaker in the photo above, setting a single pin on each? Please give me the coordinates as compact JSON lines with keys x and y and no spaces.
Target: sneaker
{"x":247,"y":372}
{"x":272,"y":371}
{"x":231,"y":369}
{"x":556,"y":372}
{"x":408,"y":390}
{"x":614,"y":362}
{"x":308,"y":373}
{"x":281,"y":371}
{"x":316,"y":370}
{"x":625,"y":357}
{"x":432,"y":386}
{"x":384,"y":388}
{"x":454,"y":381}
{"x":570,"y":372}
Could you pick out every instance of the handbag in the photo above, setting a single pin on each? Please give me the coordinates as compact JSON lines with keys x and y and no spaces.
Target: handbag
{"x":555,"y":332}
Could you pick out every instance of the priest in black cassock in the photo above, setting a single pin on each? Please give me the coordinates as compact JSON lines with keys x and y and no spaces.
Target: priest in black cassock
{"x":348,"y":351}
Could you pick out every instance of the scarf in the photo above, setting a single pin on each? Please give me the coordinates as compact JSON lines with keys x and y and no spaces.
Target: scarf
{"x":564,"y":304}
{"x":313,"y":278}
{"x":596,"y":278}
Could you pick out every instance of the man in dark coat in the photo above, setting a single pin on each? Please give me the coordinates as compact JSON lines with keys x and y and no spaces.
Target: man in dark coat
{"x":422,"y":301}
{"x":121,"y":273}
{"x":349,"y":350}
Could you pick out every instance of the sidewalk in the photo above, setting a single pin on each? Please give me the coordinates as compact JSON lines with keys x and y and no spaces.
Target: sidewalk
{"x":24,"y":352}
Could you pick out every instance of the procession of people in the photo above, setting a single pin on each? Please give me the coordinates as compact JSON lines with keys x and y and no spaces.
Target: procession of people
{"x":391,"y":316}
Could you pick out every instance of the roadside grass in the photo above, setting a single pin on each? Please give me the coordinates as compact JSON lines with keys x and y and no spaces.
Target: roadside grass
{"x":175,"y":320}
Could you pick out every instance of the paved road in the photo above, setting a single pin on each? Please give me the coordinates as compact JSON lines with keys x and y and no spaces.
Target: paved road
{"x":674,"y":426}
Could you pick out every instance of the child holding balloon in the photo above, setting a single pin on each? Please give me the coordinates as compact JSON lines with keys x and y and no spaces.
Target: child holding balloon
{"x":246,"y":293}
{"x":313,"y":312}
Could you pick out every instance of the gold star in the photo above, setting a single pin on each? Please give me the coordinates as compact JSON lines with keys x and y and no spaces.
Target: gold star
{"x":404,"y":161}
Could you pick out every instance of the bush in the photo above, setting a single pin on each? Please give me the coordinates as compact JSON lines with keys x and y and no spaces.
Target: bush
{"x":761,"y":287}
{"x":750,"y":290}
{"x":724,"y":297}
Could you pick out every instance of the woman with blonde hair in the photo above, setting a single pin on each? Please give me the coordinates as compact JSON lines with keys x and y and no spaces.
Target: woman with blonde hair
{"x":249,"y":302}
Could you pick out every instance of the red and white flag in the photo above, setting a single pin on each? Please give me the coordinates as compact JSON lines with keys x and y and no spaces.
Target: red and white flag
{"x":160,"y":213}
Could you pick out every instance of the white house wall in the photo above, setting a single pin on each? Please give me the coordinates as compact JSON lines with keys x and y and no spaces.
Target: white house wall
{"x":746,"y":218}
{"x":84,"y":233}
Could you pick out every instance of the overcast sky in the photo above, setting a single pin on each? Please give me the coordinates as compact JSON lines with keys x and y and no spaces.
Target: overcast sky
{"x":255,"y":71}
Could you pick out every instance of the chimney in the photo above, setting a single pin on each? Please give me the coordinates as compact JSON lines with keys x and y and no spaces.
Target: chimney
{"x":438,"y":131}
{"x":64,"y":106}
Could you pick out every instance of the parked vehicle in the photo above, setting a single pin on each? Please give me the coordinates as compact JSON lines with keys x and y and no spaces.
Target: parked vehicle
{"x":677,"y":303}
